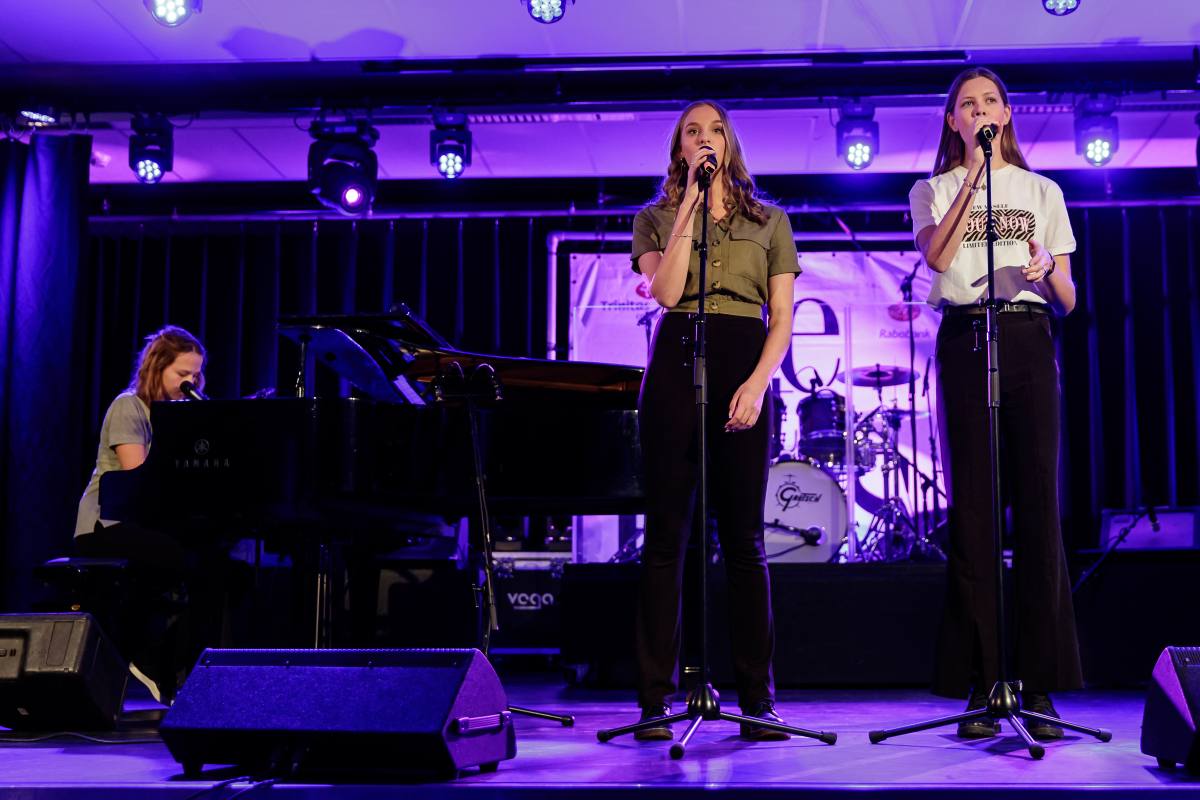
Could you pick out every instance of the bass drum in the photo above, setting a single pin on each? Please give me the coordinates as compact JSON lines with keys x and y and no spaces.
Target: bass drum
{"x":804,"y":513}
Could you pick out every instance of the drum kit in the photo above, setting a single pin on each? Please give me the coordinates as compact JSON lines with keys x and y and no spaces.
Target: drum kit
{"x":805,"y":508}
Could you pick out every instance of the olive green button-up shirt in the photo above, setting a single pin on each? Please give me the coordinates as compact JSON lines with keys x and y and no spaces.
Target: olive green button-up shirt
{"x":742,"y":257}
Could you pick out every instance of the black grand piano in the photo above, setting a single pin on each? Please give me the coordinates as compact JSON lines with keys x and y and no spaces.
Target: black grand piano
{"x":561,"y":438}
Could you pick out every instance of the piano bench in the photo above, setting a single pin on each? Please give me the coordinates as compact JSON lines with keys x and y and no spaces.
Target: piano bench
{"x":82,"y":584}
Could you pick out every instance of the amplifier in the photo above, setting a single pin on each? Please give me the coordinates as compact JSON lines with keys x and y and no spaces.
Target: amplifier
{"x":1177,"y":528}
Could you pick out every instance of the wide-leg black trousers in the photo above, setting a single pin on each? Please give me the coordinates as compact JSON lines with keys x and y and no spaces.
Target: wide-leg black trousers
{"x":1043,"y":641}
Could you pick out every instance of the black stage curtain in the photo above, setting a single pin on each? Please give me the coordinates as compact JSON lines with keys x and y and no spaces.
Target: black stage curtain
{"x":43,"y":434}
{"x":1130,"y":363}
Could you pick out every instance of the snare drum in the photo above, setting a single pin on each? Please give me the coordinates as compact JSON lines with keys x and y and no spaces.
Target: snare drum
{"x":804,"y":513}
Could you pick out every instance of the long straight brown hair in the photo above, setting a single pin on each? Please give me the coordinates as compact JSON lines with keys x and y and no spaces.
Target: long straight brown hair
{"x":162,"y":348}
{"x":951,"y":151}
{"x":741,"y":195}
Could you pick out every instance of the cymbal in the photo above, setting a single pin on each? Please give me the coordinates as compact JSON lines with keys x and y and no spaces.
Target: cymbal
{"x":893,"y":411}
{"x":877,"y":375}
{"x":920,"y":413}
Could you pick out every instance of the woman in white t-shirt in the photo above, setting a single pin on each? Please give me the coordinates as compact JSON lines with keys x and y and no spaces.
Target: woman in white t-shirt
{"x":1033,"y":243}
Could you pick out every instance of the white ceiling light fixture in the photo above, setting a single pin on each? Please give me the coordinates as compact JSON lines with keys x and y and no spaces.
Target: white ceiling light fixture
{"x":546,"y":11}
{"x":1060,"y":8}
{"x":172,"y":13}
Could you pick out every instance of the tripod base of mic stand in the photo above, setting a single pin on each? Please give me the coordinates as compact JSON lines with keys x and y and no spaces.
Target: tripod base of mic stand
{"x":566,"y":720}
{"x":704,"y":705}
{"x":1003,"y":703}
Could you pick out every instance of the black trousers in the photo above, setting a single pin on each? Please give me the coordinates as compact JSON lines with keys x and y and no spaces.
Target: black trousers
{"x":178,"y":598}
{"x":737,"y":480}
{"x":1044,"y":644}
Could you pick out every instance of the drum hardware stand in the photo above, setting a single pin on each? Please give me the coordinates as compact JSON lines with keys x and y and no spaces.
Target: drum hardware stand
{"x":892,"y":533}
{"x":452,"y":384}
{"x":703,"y":702}
{"x":1003,"y":700}
{"x":931,"y":482}
{"x":894,"y":529}
{"x":924,"y":541}
{"x":906,"y":293}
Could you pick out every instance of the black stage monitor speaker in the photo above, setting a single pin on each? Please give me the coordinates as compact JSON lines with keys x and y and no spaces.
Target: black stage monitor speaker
{"x":428,"y":711}
{"x":59,"y":672}
{"x":1173,"y":709}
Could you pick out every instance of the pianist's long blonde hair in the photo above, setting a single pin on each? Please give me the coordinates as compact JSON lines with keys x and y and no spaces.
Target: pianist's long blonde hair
{"x":162,"y":348}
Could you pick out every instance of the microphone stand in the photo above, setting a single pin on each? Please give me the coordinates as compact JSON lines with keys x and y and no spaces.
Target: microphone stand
{"x":703,"y":702}
{"x":452,"y":385}
{"x":933,"y":449}
{"x":906,"y":292}
{"x":1003,"y":701}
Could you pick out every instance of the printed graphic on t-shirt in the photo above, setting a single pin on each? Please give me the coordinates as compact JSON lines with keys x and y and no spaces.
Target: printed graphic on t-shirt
{"x":1013,"y":226}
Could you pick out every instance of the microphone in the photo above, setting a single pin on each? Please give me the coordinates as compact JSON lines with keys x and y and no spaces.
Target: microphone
{"x":986,"y":134}
{"x":811,"y":536}
{"x":1153,"y":515}
{"x":925,"y":379}
{"x":707,"y":168}
{"x":190,"y":391}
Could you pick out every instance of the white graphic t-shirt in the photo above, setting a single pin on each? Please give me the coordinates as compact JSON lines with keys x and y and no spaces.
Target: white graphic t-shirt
{"x":1025,"y":206}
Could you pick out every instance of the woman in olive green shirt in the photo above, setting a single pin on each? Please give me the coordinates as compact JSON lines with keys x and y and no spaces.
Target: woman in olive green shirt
{"x":752,"y":263}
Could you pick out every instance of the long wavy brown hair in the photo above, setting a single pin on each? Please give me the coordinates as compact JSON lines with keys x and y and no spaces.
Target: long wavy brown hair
{"x":951,"y":150}
{"x":741,"y":195}
{"x":162,"y":348}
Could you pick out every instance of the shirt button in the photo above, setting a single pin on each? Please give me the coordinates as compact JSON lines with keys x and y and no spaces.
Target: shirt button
{"x":716,"y":285}
{"x":716,"y":262}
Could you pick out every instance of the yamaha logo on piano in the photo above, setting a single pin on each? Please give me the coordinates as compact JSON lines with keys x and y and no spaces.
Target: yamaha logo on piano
{"x":203,"y":463}
{"x":201,"y":447}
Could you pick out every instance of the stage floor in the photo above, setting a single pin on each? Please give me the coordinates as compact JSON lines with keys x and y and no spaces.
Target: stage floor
{"x":553,"y":761}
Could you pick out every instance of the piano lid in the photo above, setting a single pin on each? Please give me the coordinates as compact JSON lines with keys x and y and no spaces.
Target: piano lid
{"x":393,"y":357}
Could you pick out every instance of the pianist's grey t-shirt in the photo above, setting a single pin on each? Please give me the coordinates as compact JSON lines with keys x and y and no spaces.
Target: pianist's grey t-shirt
{"x":126,"y":422}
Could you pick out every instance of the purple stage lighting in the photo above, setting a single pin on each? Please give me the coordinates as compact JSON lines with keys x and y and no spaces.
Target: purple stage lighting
{"x":1060,"y":8}
{"x":857,"y":134}
{"x":148,"y":171}
{"x":343,"y":169}
{"x":39,"y":116}
{"x":1096,"y":134}
{"x":546,"y":11}
{"x":151,"y":148}
{"x":172,"y":13}
{"x":450,"y":144}
{"x":353,"y":196}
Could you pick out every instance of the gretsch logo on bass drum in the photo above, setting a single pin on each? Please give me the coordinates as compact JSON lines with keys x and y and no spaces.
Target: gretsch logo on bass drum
{"x":789,"y":495}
